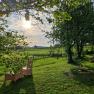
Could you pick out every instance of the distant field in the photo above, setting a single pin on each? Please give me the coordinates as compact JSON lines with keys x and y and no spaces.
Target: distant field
{"x":37,"y":51}
{"x":51,"y":76}
{"x":40,"y":51}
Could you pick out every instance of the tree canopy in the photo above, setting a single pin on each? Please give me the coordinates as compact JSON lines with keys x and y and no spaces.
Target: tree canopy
{"x":73,"y":25}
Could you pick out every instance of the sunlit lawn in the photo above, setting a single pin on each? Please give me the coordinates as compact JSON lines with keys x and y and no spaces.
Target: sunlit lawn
{"x":37,"y":51}
{"x":51,"y":76}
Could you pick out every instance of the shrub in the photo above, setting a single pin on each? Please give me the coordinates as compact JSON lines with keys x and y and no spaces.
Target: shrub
{"x":13,"y":62}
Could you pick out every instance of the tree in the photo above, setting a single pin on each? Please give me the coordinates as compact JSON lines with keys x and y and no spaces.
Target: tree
{"x":8,"y":6}
{"x":83,"y":20}
{"x":72,"y":24}
{"x":12,"y":60}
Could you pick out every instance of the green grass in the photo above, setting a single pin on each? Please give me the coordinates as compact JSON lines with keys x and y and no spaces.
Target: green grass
{"x":35,"y":51}
{"x":50,"y":76}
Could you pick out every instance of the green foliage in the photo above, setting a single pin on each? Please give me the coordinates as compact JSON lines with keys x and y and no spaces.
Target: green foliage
{"x":61,"y":16}
{"x":13,"y":62}
{"x":73,"y":25}
{"x":9,"y":40}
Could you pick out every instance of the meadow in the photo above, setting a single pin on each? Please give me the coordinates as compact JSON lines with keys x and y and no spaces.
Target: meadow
{"x":51,"y":76}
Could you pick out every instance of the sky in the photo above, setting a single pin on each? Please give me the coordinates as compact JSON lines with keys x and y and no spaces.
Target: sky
{"x":31,"y":29}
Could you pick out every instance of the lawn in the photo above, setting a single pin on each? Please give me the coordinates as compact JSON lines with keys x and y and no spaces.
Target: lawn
{"x":50,"y":76}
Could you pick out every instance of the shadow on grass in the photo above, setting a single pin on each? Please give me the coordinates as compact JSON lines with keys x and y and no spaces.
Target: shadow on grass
{"x":1,"y":74}
{"x":22,"y":86}
{"x":84,"y":76}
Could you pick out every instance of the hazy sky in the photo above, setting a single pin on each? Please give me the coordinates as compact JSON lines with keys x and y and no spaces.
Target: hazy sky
{"x":32,"y":29}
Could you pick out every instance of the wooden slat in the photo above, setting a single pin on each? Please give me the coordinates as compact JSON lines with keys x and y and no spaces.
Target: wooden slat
{"x":24,"y":71}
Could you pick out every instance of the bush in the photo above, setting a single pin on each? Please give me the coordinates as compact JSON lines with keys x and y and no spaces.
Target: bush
{"x":13,"y":62}
{"x":89,"y":52}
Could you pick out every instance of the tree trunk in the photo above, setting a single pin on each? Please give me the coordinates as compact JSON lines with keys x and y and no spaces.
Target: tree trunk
{"x":79,"y":50}
{"x":69,"y":52}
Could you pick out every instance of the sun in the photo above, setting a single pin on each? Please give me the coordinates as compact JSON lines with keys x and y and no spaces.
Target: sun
{"x":26,"y":24}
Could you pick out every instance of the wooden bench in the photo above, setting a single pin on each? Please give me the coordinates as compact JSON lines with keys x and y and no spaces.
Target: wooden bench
{"x":24,"y":71}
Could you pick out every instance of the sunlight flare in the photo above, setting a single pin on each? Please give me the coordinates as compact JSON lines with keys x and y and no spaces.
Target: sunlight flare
{"x":26,"y":24}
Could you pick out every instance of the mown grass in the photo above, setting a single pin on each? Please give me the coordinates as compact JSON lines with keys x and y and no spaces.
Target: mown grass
{"x":51,"y":76}
{"x":35,"y":51}
{"x":44,"y":51}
